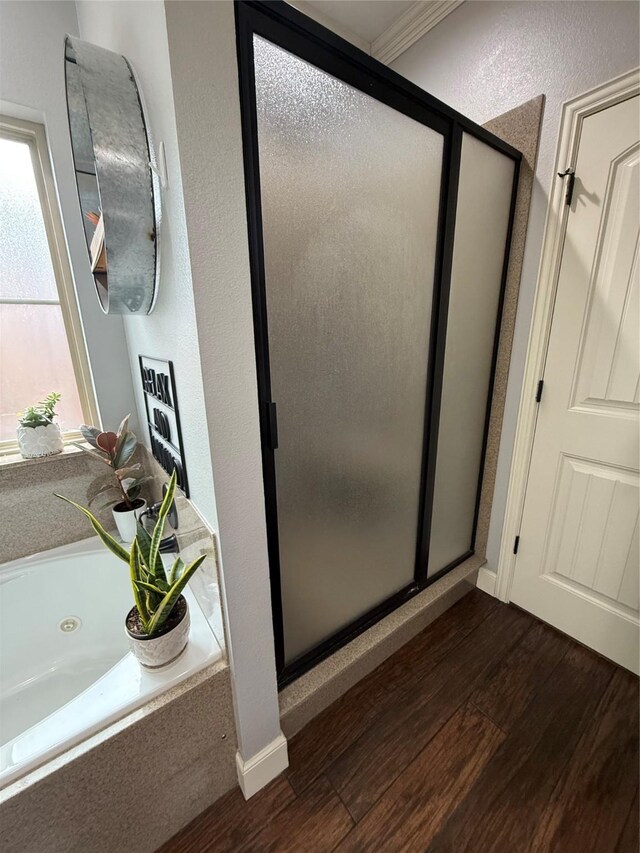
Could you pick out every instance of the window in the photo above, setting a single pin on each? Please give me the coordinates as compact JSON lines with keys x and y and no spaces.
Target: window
{"x":41,"y":342}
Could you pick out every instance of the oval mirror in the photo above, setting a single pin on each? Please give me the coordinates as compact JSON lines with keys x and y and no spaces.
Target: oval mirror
{"x":117,"y":188}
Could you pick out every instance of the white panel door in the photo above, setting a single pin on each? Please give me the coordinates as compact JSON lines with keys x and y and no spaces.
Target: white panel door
{"x":578,"y":561}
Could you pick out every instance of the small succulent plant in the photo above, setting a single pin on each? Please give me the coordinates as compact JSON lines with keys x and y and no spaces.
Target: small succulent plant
{"x":42,"y":414}
{"x":155,"y":592}
{"x":116,"y":449}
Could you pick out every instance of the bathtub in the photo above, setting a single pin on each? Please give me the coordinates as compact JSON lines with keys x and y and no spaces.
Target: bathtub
{"x":65,"y":667}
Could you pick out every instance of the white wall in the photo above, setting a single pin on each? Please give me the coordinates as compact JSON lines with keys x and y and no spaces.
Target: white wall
{"x":202,"y":47}
{"x":32,"y":87}
{"x":32,"y":77}
{"x":138,"y":30}
{"x":204,"y":253}
{"x":486,"y":58}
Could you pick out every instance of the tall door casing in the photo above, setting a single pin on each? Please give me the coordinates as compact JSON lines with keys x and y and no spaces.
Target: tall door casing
{"x":578,"y":564}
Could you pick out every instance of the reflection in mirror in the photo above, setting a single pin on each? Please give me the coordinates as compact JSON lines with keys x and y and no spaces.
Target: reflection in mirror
{"x":86,"y":179}
{"x":117,"y":190}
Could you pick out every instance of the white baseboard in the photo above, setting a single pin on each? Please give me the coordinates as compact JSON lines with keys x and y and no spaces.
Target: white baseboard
{"x":263,"y":767}
{"x":486,"y":581}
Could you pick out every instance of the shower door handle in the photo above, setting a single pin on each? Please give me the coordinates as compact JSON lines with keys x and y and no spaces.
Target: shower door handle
{"x":272,"y":421}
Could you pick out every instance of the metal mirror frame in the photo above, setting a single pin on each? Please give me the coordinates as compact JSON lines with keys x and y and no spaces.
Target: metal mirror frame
{"x":107,"y":124}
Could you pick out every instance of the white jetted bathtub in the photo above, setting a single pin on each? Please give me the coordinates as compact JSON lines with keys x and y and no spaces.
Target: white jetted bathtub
{"x":65,"y":667}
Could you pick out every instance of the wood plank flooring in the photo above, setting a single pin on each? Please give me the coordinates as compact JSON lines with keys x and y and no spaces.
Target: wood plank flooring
{"x":489,"y":732}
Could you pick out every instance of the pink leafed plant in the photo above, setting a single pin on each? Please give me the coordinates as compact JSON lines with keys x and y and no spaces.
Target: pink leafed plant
{"x":116,"y":449}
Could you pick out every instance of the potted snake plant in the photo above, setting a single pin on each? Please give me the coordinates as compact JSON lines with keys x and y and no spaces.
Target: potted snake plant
{"x":158,"y":624}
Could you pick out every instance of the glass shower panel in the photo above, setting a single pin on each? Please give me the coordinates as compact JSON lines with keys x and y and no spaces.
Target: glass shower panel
{"x":482,"y":221}
{"x":350,"y":195}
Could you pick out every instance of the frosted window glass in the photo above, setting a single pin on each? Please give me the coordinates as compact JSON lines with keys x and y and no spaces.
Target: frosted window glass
{"x":350,"y":194}
{"x":35,"y":360}
{"x":484,"y":199}
{"x":25,"y":262}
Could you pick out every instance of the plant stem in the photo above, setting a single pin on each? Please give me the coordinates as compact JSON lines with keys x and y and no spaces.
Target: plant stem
{"x":123,"y":491}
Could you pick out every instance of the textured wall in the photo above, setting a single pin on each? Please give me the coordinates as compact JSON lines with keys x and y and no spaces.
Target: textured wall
{"x":487,"y":58}
{"x":138,"y":30}
{"x":519,"y":127}
{"x":204,"y":254}
{"x":205,"y":89}
{"x":32,"y":88}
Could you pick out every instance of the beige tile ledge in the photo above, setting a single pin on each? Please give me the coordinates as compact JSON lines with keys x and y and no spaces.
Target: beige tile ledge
{"x":33,"y":519}
{"x":77,"y":753}
{"x":17,"y":460}
{"x":183,"y":743}
{"x":310,"y":694}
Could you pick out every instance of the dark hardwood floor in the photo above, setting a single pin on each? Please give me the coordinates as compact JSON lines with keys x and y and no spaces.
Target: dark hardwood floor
{"x":490,"y":731}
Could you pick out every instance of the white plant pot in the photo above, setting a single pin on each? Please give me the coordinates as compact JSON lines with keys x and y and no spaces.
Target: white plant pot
{"x":40,"y":440}
{"x":126,"y":519}
{"x":162,"y":649}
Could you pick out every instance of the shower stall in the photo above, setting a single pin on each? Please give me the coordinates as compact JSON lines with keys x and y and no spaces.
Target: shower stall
{"x":379,"y":224}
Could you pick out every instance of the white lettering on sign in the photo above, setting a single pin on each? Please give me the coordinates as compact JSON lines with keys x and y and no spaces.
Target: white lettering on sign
{"x":163,"y":418}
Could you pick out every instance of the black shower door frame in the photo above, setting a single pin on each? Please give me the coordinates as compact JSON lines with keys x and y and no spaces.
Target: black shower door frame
{"x":292,"y":31}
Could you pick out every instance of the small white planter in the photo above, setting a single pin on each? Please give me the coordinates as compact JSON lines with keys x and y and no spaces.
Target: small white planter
{"x":40,"y":440}
{"x":126,"y":519}
{"x":162,"y":648}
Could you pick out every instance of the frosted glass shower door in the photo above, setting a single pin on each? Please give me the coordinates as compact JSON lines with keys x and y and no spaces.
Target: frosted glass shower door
{"x":482,"y":226}
{"x":350,"y":194}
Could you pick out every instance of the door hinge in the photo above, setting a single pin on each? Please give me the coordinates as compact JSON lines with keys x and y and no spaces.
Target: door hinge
{"x":516,"y":545}
{"x":539,"y":390}
{"x":570,"y":175}
{"x":272,"y":420}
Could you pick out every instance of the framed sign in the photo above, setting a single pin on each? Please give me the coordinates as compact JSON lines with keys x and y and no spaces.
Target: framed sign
{"x":163,"y":417}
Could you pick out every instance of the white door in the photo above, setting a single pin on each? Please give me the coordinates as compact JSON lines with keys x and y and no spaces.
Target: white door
{"x":578,"y":562}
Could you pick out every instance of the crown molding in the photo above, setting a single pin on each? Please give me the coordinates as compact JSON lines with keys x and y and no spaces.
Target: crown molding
{"x":419,"y":18}
{"x":328,"y":22}
{"x":423,"y":16}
